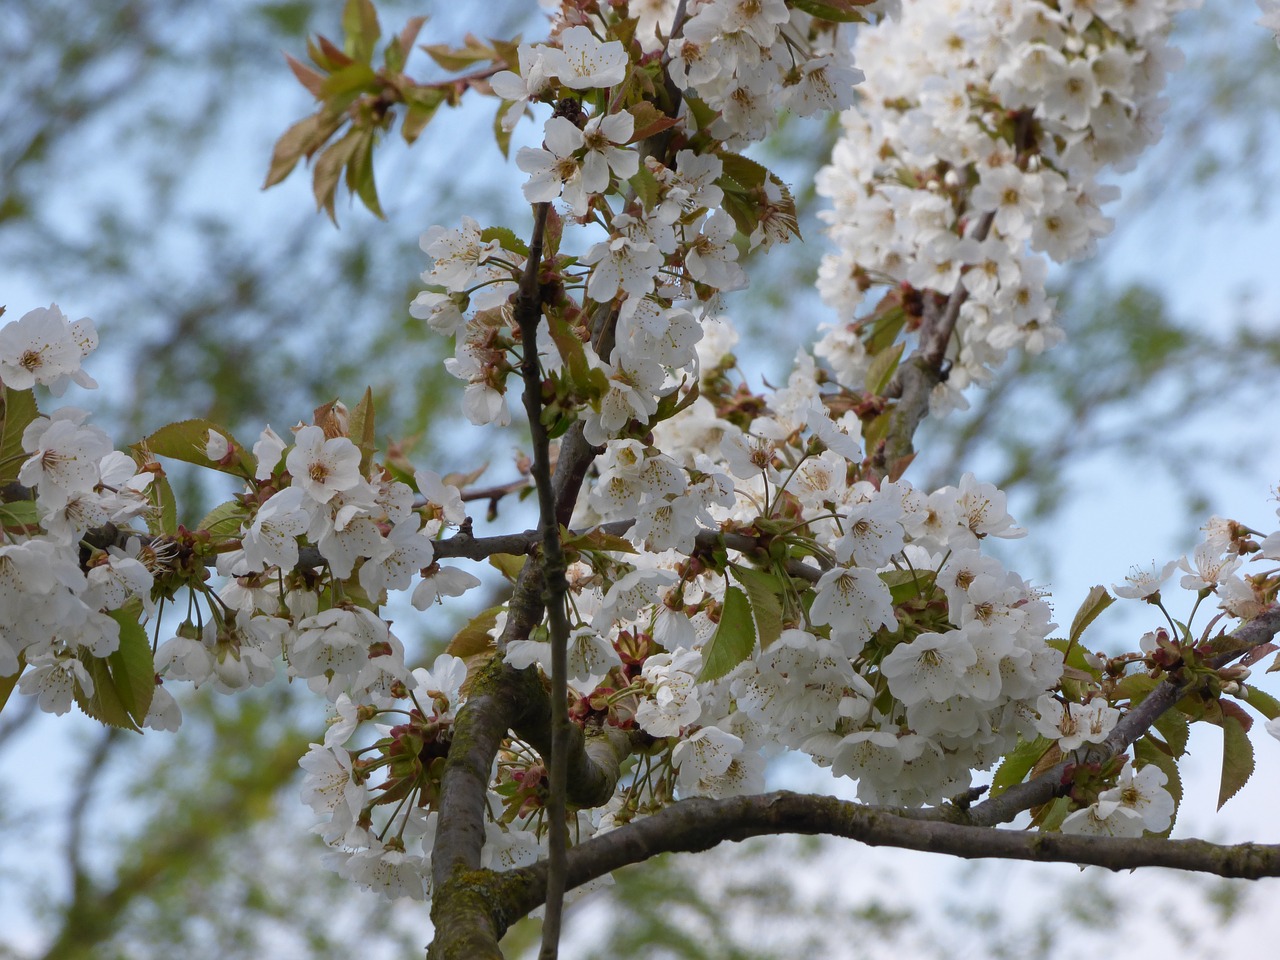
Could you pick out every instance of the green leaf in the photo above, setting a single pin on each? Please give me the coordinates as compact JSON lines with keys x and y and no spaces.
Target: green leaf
{"x":361,"y":430}
{"x":223,"y":522}
{"x":7,"y":684}
{"x":1136,"y":686}
{"x":346,"y":84}
{"x":596,"y":540}
{"x":398,"y":49}
{"x":1237,"y":759}
{"x":1097,"y":601}
{"x":422,"y":102}
{"x":186,"y":441}
{"x":19,"y":514}
{"x":906,"y":585}
{"x":506,"y":238}
{"x":702,"y":114}
{"x":476,"y":637}
{"x":164,"y":519}
{"x":765,"y":592}
{"x":883,"y":365}
{"x":501,"y":135}
{"x":125,"y":681}
{"x":1050,"y":816}
{"x":360,"y":173}
{"x":734,"y":639}
{"x":1173,"y":726}
{"x":742,"y":173}
{"x":572,"y":351}
{"x":1074,"y":655}
{"x":646,"y":187}
{"x":19,"y":409}
{"x":360,"y":24}
{"x":507,"y":564}
{"x":1018,"y":763}
{"x":885,"y":329}
{"x":838,"y":11}
{"x":1264,"y":703}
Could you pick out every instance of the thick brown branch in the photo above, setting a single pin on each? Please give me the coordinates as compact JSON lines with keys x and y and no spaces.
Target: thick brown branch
{"x":699,"y":824}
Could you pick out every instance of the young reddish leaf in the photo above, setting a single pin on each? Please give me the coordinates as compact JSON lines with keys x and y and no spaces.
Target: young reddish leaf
{"x":455,"y":59}
{"x":1257,"y":653}
{"x":1237,"y":759}
{"x":311,"y":79}
{"x":595,"y":540}
{"x":1232,"y":709}
{"x":327,"y":55}
{"x":649,"y":120}
{"x":329,"y":169}
{"x":734,"y":639}
{"x":409,"y":35}
{"x":302,"y":139}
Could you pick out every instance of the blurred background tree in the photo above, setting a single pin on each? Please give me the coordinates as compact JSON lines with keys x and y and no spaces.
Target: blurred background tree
{"x":134,"y":136}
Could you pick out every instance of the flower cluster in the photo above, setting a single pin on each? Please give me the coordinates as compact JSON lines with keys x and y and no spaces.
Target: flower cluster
{"x":371,"y":534}
{"x":744,"y":575}
{"x":983,"y":131}
{"x":746,"y":59}
{"x":64,"y":480}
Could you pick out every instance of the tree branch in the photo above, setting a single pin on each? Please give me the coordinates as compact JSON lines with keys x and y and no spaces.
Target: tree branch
{"x":699,"y":824}
{"x":1134,"y":724}
{"x":915,"y":379}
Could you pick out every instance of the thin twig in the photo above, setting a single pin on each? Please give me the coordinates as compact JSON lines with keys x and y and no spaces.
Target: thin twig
{"x":528,"y":312}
